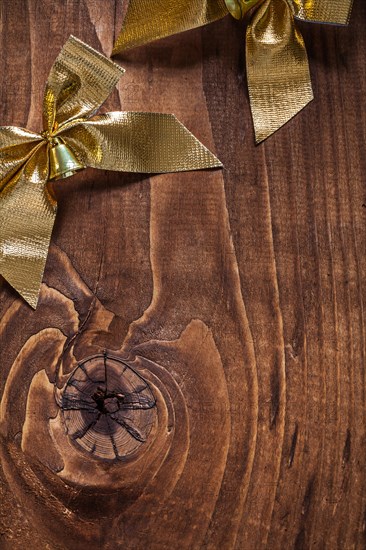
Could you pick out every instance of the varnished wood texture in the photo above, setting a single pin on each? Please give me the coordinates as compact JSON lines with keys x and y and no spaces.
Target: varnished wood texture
{"x":236,"y":296}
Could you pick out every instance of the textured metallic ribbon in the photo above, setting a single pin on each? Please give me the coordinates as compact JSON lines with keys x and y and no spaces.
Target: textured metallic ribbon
{"x":80,"y":80}
{"x":277,"y":65}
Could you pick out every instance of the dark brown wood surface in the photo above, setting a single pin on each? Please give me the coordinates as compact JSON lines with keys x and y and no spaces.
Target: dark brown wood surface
{"x":237,"y":295}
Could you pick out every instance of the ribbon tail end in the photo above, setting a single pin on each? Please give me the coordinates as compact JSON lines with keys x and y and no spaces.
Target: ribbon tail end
{"x":261,"y":132}
{"x":116,"y":50}
{"x":216,"y":163}
{"x":197,"y":156}
{"x":28,"y":296}
{"x":120,"y":46}
{"x":31,"y":301}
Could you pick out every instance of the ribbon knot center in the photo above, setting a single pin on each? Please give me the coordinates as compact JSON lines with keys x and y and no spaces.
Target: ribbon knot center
{"x":47,"y":136}
{"x":239,"y":8}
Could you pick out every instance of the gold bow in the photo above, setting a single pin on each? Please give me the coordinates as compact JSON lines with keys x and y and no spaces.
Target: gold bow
{"x":277,"y":65}
{"x":80,"y":80}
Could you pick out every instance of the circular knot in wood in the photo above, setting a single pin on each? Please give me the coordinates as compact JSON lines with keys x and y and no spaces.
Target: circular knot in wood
{"x":108,"y":408}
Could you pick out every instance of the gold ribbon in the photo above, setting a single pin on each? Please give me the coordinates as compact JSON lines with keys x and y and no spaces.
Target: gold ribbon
{"x":80,"y":80}
{"x":277,"y":65}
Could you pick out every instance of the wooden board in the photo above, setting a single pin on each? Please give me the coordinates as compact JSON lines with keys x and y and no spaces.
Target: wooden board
{"x":237,"y":297}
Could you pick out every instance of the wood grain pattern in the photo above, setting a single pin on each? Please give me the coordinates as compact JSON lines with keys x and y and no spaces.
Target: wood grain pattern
{"x":238,"y":297}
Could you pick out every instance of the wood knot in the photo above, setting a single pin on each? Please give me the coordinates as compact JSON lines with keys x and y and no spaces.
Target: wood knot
{"x":108,"y":408}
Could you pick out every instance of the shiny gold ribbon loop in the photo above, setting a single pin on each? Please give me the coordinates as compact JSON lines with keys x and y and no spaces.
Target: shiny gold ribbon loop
{"x":80,"y":80}
{"x":323,"y":11}
{"x":277,"y":66}
{"x":148,"y":20}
